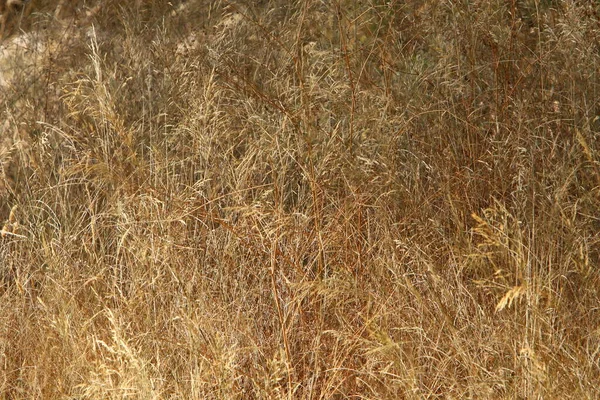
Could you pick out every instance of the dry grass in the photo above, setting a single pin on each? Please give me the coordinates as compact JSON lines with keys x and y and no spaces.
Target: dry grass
{"x":302,"y":200}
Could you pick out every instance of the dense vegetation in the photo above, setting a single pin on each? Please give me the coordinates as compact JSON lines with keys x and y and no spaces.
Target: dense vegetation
{"x":300,"y":199}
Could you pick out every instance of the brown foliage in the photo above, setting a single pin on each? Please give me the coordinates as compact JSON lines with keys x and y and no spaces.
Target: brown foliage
{"x":275,"y":199}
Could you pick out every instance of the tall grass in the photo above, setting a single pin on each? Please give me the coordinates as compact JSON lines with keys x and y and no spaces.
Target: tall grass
{"x":302,"y":200}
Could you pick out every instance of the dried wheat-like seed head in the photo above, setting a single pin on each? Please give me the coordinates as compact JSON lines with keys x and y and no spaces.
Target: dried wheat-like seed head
{"x":512,"y":295}
{"x":11,"y":227}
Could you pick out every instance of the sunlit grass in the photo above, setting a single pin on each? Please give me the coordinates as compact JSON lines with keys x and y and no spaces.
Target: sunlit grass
{"x":302,"y":200}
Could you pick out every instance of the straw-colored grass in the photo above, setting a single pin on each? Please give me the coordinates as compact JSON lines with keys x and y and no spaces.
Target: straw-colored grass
{"x":300,"y":200}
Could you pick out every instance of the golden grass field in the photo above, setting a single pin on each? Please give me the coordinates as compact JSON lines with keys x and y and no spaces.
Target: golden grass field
{"x":317,"y":199}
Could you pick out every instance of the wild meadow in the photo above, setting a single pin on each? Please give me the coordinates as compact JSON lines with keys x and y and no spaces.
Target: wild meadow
{"x":316,"y":199}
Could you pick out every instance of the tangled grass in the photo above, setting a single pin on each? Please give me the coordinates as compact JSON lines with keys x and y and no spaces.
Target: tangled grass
{"x":303,"y":200}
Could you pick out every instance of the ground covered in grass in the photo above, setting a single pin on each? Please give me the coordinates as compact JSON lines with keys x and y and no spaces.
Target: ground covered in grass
{"x":300,"y":200}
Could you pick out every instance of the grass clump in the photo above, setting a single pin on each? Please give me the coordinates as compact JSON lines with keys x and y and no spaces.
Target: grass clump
{"x":376,"y":200}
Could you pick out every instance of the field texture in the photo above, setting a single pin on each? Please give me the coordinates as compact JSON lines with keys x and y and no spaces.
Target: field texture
{"x":317,"y":199}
